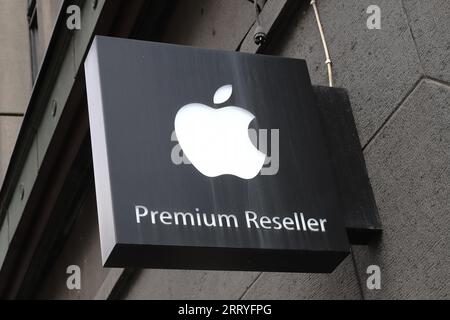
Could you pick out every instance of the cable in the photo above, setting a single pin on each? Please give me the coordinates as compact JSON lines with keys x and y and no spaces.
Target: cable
{"x":328,"y":61}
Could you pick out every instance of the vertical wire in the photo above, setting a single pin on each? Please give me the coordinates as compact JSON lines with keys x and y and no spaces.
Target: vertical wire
{"x":328,"y":61}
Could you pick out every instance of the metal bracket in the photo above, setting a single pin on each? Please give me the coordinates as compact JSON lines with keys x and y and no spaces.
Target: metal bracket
{"x":360,"y":210}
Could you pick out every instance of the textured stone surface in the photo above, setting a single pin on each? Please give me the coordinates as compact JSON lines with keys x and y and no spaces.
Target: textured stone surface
{"x":378,"y":67}
{"x":15,"y":61}
{"x":9,"y":129}
{"x":174,"y":285}
{"x":218,"y":24}
{"x":408,"y":163}
{"x":342,"y":284}
{"x":430,"y":26}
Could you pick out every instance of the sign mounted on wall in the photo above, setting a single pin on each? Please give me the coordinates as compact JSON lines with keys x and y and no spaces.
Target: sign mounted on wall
{"x":210,"y":160}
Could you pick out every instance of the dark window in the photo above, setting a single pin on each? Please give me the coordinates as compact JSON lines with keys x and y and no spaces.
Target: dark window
{"x":34,"y":41}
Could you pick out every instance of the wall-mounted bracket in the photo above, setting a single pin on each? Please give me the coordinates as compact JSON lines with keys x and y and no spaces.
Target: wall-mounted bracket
{"x":361,"y":213}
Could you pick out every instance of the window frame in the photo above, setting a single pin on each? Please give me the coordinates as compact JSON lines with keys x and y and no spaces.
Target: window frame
{"x":34,"y":37}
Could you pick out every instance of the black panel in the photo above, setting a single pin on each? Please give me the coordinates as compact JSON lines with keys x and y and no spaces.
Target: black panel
{"x":360,"y":210}
{"x":143,"y":85}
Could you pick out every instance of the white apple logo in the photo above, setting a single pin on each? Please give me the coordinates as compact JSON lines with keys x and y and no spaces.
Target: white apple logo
{"x":216,"y":141}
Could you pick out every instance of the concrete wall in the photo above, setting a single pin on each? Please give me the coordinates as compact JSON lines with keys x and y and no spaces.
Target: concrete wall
{"x":16,"y":79}
{"x":15,"y":75}
{"x":403,"y":119}
{"x":15,"y":66}
{"x":398,"y":79}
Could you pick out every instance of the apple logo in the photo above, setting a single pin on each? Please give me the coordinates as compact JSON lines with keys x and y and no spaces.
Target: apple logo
{"x":216,"y":141}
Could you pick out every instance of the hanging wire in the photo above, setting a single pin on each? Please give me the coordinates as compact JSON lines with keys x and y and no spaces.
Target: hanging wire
{"x":328,"y":61}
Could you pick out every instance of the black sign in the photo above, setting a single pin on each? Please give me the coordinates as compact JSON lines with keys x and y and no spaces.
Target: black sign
{"x":210,"y":160}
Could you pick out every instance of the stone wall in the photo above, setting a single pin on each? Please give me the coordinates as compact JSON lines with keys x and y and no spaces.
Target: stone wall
{"x":15,"y":75}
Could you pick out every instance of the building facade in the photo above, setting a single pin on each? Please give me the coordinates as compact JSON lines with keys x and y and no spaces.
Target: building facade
{"x":398,"y":78}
